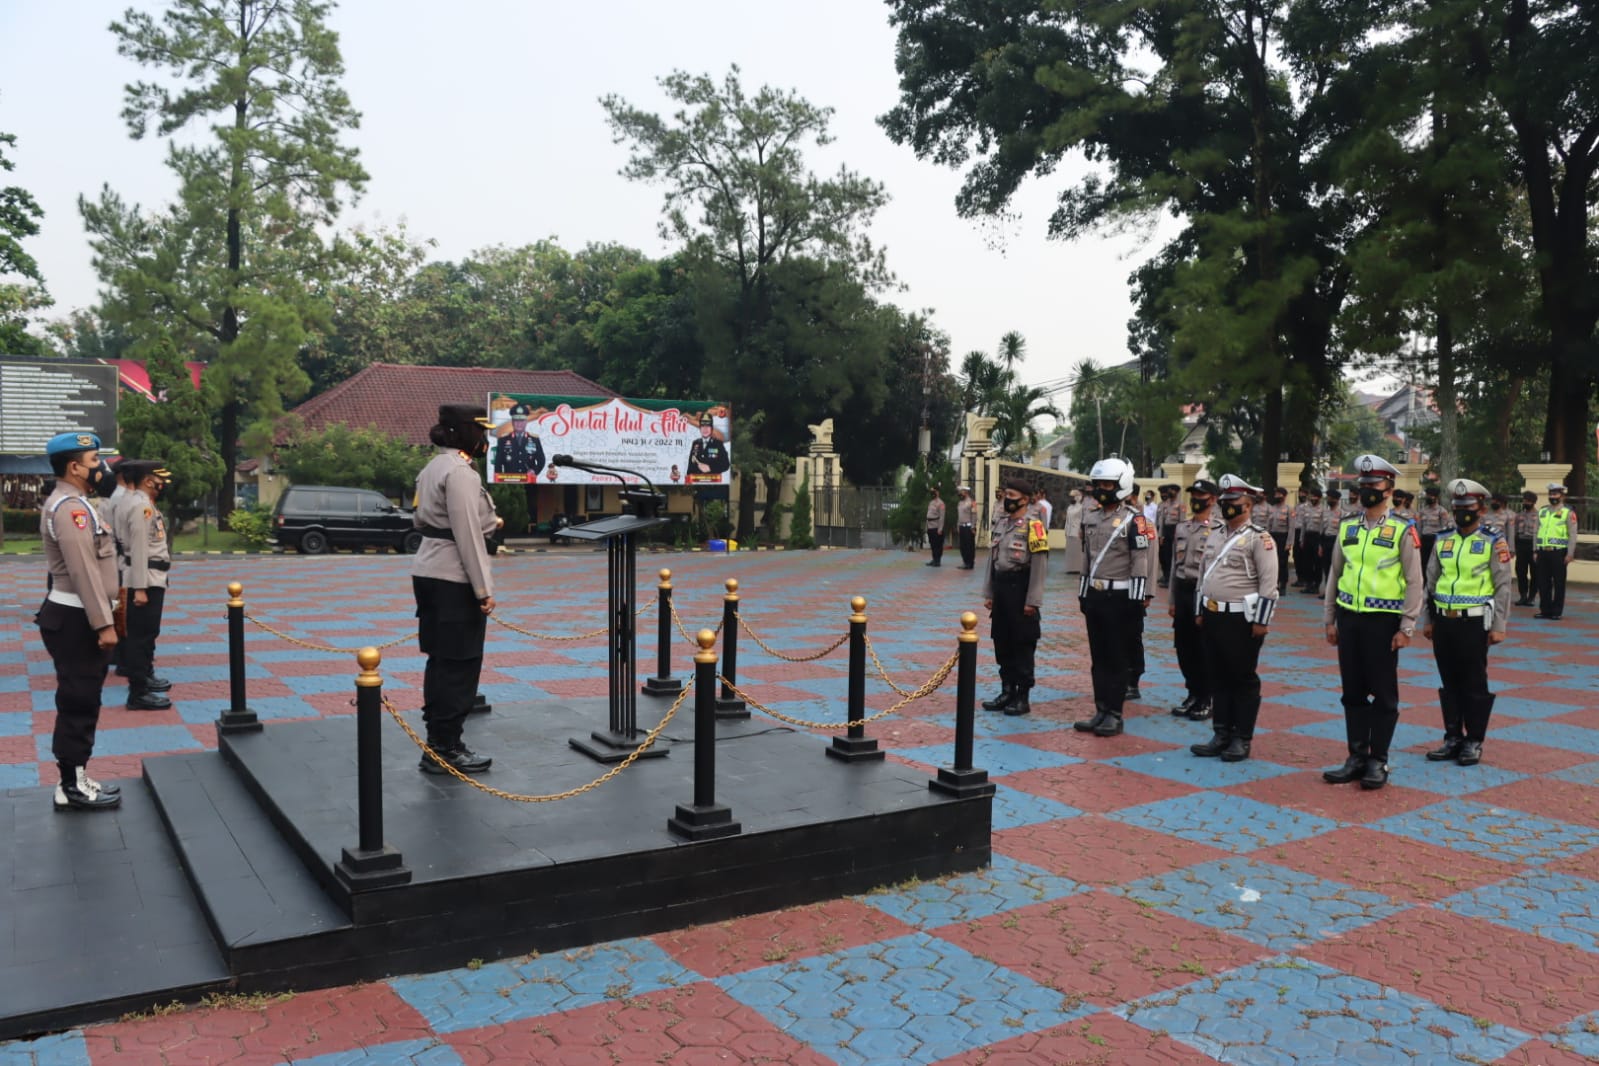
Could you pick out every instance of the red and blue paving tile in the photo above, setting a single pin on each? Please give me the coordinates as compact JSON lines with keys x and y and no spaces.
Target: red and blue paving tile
{"x":1143,"y":905}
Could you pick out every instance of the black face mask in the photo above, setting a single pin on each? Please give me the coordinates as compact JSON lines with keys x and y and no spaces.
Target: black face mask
{"x":1370,"y":497}
{"x":1231,"y":509}
{"x":1464,"y":519}
{"x":1199,"y":504}
{"x":1106,"y":497}
{"x":1012,"y":505}
{"x":101,"y":481}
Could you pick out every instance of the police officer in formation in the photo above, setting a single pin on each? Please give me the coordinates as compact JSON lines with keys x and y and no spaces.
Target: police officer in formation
{"x":1235,"y":599}
{"x":144,"y":561}
{"x":1135,"y":634}
{"x":76,"y":619}
{"x":1277,"y":518}
{"x":1301,"y":539}
{"x":1120,"y":566}
{"x":1554,"y":545}
{"x":1498,"y":517}
{"x":935,"y":528}
{"x":1402,"y":501}
{"x":453,"y":582}
{"x":1374,"y":599}
{"x":1526,"y":529}
{"x":1013,"y":592}
{"x":1431,"y":520}
{"x":519,"y":452}
{"x":1171,"y":514}
{"x":1468,"y":607}
{"x":966,"y":527}
{"x":1188,"y":547}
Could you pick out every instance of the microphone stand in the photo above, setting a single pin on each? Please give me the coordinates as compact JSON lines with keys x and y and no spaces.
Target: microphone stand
{"x":647,"y":505}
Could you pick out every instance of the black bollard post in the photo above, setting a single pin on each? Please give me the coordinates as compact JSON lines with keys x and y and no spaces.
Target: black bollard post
{"x":663,"y":683}
{"x":962,"y":780}
{"x":729,"y":705}
{"x":705,"y":819}
{"x":238,"y":718}
{"x":856,"y":746}
{"x":372,"y":863}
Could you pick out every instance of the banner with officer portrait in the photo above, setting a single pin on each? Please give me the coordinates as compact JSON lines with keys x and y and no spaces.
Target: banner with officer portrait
{"x":686,"y":443}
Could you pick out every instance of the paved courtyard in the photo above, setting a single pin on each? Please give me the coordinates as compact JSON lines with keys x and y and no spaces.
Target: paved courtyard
{"x":1143,"y":906}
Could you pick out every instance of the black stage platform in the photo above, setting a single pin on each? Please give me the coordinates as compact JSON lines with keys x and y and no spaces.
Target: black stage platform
{"x":100,"y":919}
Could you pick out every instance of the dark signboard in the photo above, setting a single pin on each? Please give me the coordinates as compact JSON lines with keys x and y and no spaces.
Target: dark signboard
{"x":42,"y":397}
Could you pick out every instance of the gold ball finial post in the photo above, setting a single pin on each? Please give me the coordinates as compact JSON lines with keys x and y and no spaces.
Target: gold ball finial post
{"x":731,"y":585}
{"x":968,"y":628}
{"x":706,"y":639}
{"x":857,"y":606}
{"x":235,"y":594}
{"x":666,"y":575}
{"x":368,"y":659}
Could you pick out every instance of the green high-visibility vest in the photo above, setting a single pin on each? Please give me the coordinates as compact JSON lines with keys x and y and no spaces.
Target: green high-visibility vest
{"x":1372,"y":579}
{"x":1465,"y":572}
{"x":1554,"y":530}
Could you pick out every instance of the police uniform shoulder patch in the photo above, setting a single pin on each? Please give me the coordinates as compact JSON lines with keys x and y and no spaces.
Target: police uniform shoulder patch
{"x":1269,"y":544}
{"x":80,"y":519}
{"x":1037,"y":536}
{"x":147,"y":513}
{"x":1504,"y":550}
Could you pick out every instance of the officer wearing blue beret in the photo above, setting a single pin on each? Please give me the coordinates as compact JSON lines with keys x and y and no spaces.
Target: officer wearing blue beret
{"x":76,"y":620}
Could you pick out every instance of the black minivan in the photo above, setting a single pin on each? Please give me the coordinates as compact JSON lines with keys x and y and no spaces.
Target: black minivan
{"x":311,"y":519}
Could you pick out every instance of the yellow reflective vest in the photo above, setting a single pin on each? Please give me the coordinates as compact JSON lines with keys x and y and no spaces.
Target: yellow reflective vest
{"x":1465,"y":577}
{"x":1372,"y":579}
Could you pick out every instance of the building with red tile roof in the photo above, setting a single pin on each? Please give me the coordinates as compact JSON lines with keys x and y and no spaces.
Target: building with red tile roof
{"x":404,"y":400}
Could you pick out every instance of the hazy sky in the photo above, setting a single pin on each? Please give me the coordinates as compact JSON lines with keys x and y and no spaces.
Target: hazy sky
{"x":481,"y":125}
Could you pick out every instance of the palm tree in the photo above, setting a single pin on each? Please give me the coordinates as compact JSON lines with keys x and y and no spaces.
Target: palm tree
{"x":982,"y":382}
{"x":1017,"y":409}
{"x":1091,"y":382}
{"x":1012,"y":350}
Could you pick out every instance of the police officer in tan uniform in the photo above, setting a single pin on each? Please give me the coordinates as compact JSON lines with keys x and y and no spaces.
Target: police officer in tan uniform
{"x":452,"y":579}
{"x":146,"y":560}
{"x":1468,"y":609}
{"x":966,"y":528}
{"x":1431,"y":520}
{"x":1013,"y":592}
{"x":1120,"y":566}
{"x":76,"y":619}
{"x":1526,"y":526}
{"x":935,"y":528}
{"x":1188,"y":546}
{"x":1236,"y":597}
{"x":1278,"y":519}
{"x":1170,"y":514}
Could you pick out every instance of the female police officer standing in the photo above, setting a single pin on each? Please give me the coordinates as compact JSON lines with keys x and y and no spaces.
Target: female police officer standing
{"x":454,"y":588}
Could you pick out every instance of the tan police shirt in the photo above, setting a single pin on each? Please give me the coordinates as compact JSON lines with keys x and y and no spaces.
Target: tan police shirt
{"x":81,"y":554}
{"x":450,"y":495}
{"x":935,"y":516}
{"x":142,"y":539}
{"x":1133,"y":557}
{"x":1239,"y":566}
{"x":1020,"y":543}
{"x":1527,"y":524}
{"x":1432,"y":519}
{"x":966,"y":514}
{"x":1188,"y":547}
{"x":1276,"y":517}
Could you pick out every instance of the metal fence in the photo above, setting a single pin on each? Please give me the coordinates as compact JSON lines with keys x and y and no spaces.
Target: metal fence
{"x":854,"y":516}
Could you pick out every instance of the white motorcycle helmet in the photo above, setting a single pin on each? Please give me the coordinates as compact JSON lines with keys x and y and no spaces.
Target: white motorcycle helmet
{"x":1117,"y":470}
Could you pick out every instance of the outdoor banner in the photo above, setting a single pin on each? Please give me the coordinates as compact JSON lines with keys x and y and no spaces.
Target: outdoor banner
{"x":684,"y":443}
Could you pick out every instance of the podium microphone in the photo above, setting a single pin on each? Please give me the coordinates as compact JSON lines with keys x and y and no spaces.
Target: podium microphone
{"x":648,"y":503}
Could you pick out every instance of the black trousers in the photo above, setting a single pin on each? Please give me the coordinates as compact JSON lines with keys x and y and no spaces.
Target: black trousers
{"x":1015,"y":634}
{"x":968,"y":542}
{"x":1301,"y":564}
{"x":1369,"y":668}
{"x":80,"y":678}
{"x":1109,"y":616}
{"x":1168,"y":542}
{"x":1460,"y":648}
{"x":1427,"y":541}
{"x":1232,"y":655}
{"x":1551,"y":571}
{"x":1186,"y":639}
{"x":1281,"y":540}
{"x":450,"y":629}
{"x":1525,"y":560}
{"x":144,"y":626}
{"x":935,"y":540}
{"x":1324,"y":555}
{"x":1135,"y":645}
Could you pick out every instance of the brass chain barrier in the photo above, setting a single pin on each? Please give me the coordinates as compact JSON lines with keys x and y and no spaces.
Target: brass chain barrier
{"x":768,"y":649}
{"x":881,"y":672}
{"x":516,"y":797}
{"x":330,"y":649}
{"x":930,"y":686}
{"x":678,"y":620}
{"x":590,"y":635}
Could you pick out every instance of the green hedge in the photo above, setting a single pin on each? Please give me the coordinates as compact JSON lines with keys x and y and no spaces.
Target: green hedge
{"x":20,"y":520}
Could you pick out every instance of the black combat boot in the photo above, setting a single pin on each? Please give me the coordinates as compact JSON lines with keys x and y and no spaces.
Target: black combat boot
{"x":156,"y":684}
{"x":1091,"y":725}
{"x":1020,"y":704}
{"x":1214,"y":746}
{"x":1182,"y":709}
{"x":1007,"y":693}
{"x":142,"y":699}
{"x":1452,"y":735}
{"x":1110,"y":725}
{"x":1352,"y":768}
{"x":1237,"y":749}
{"x":1201,"y":710}
{"x":1375,"y":775}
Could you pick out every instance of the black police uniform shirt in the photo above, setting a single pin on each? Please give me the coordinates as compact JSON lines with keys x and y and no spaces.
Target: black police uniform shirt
{"x":519,"y":453}
{"x":712,"y":454}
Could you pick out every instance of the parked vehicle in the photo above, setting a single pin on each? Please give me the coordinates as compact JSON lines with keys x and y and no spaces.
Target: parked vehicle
{"x":313,"y":519}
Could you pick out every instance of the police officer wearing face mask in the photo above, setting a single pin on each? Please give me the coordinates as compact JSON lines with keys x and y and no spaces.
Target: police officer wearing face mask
{"x":452,"y":580}
{"x":1301,"y":517}
{"x":1278,"y":518}
{"x":1554,"y":546}
{"x":1526,"y":527}
{"x":145,"y":562}
{"x":1431,"y":520}
{"x":1120,"y":565}
{"x":1468,"y":607}
{"x":1236,"y":597}
{"x":1188,"y":547}
{"x":1497,"y":520}
{"x":1013,"y":592}
{"x":1172,"y":514}
{"x":76,"y":619}
{"x":1374,"y":597}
